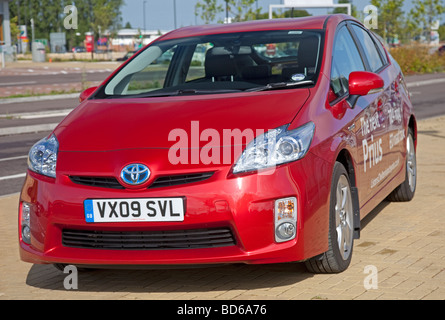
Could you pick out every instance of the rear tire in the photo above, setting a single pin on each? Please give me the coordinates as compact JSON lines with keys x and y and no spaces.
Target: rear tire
{"x":406,"y":191}
{"x":341,"y":227}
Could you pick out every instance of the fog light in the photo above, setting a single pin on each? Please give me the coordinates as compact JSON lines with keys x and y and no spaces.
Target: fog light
{"x":25,"y":220}
{"x":26,"y":234}
{"x":285,"y":219}
{"x":286,"y":231}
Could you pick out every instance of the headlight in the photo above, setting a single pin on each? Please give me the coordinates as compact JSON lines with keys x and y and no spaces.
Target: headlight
{"x":43,"y":156}
{"x":276,"y":147}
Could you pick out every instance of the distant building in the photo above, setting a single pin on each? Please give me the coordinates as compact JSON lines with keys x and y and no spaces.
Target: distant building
{"x":134,"y":38}
{"x":7,"y":50}
{"x":5,"y":29}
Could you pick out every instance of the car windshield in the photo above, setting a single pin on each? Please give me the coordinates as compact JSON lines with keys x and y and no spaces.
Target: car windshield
{"x":221,"y":63}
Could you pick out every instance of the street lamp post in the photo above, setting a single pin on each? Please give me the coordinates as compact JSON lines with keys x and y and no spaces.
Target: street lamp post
{"x":19,"y":42}
{"x":144,"y":16}
{"x":174,"y":12}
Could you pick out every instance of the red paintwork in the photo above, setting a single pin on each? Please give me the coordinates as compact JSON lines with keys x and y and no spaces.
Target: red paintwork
{"x":361,"y":82}
{"x":100,"y":137}
{"x":75,"y":135}
{"x":86,"y":93}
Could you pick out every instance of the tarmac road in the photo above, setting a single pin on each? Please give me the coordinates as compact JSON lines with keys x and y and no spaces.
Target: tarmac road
{"x":25,"y":77}
{"x":427,"y":94}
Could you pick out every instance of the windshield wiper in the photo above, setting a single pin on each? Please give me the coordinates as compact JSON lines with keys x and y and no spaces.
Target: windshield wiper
{"x":280,"y":85}
{"x":179,"y":92}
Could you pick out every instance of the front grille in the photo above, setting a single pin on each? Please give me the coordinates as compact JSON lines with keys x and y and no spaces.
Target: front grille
{"x":164,"y":181}
{"x":149,"y":240}
{"x":174,"y":180}
{"x":101,"y":182}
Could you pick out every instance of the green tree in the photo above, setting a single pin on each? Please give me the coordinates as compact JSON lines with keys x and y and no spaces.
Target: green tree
{"x":15,"y":31}
{"x":391,"y":18}
{"x":207,"y":10}
{"x":49,"y":16}
{"x":242,"y":10}
{"x":442,"y":32}
{"x":106,"y":15}
{"x":295,"y":13}
{"x":354,"y":12}
{"x":424,"y":14}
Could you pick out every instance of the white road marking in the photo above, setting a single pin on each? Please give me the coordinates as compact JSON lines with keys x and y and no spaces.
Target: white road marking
{"x":14,"y":176}
{"x":13,"y":158}
{"x":27,"y":129}
{"x":11,"y":84}
{"x":37,"y":115}
{"x":425,"y":82}
{"x":45,"y":115}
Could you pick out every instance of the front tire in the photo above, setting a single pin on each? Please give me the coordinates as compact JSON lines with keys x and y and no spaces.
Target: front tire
{"x":341,"y":227}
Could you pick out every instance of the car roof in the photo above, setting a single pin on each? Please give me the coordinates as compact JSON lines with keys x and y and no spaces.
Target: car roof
{"x":304,"y":23}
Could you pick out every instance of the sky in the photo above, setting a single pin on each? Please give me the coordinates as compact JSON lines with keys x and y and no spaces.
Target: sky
{"x":159,"y":14}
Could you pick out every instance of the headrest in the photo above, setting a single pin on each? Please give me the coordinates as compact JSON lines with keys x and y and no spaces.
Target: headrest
{"x":219,"y":62}
{"x":308,"y":52}
{"x":256,"y":72}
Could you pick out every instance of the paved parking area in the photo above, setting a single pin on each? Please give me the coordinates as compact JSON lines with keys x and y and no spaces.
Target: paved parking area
{"x":401,"y":255}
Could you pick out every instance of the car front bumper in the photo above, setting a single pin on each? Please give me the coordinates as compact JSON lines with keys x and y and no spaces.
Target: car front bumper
{"x":243,"y":205}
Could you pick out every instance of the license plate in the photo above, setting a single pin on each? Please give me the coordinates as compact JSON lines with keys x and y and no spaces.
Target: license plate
{"x":134,"y":210}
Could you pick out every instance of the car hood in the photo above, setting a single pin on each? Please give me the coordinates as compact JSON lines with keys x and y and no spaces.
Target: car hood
{"x":117,"y":124}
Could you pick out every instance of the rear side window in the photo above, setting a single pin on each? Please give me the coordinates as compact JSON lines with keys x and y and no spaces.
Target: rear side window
{"x":346,"y":59}
{"x":370,"y":48}
{"x":382,"y":50}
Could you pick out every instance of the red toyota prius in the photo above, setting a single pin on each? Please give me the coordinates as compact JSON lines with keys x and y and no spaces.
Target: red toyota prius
{"x":256,"y":142}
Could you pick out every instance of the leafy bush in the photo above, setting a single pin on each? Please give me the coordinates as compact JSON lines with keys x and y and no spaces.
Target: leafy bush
{"x":419,"y":59}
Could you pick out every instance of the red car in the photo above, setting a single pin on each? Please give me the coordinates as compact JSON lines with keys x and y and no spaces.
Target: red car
{"x":227,"y":152}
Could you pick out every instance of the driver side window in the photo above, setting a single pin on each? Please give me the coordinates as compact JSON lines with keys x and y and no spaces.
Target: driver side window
{"x":346,"y":59}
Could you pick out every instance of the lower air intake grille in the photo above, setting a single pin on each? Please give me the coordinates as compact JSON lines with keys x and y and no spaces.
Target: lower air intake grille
{"x":148,"y":240}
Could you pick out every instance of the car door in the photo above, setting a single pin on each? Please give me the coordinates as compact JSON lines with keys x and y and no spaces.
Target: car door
{"x":381,"y":130}
{"x":367,"y":125}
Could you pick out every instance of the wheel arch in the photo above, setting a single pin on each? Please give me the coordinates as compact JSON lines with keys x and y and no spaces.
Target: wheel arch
{"x":345,"y":158}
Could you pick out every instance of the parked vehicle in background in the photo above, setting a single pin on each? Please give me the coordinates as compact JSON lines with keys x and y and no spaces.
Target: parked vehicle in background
{"x":127,"y":56}
{"x":78,"y":49}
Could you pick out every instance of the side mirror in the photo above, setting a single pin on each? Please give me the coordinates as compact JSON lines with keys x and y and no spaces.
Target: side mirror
{"x":362,"y":83}
{"x":86,"y":93}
